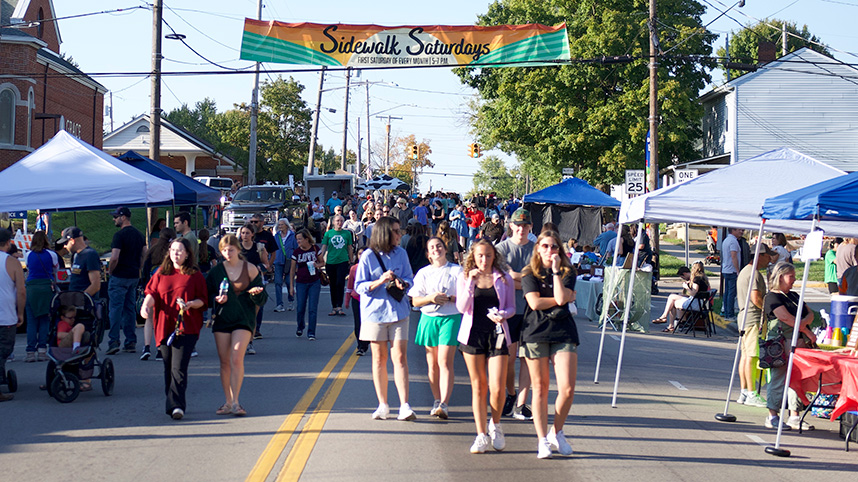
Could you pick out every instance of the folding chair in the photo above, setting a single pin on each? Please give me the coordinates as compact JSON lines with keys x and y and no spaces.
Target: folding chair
{"x":698,"y":316}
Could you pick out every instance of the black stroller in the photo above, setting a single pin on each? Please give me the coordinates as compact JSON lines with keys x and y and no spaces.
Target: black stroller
{"x":67,"y":367}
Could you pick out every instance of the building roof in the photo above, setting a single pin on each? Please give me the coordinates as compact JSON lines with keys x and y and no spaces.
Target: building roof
{"x":19,"y":10}
{"x":174,"y":139}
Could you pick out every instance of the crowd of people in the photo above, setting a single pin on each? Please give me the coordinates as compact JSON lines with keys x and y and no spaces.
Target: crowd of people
{"x":492,"y":290}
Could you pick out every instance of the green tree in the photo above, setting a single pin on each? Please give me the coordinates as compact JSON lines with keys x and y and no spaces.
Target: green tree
{"x":744,"y":44}
{"x":402,"y":164}
{"x":585,"y":115}
{"x":493,"y":176}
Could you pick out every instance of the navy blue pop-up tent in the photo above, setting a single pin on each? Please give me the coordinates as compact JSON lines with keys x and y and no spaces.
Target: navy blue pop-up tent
{"x":186,"y":191}
{"x":832,"y":202}
{"x":573,"y":205}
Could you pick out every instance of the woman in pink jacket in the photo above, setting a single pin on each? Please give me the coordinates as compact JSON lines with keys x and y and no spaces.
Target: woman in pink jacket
{"x":486,"y":298}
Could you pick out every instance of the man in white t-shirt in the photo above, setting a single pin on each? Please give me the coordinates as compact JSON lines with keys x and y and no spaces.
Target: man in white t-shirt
{"x":730,"y":256}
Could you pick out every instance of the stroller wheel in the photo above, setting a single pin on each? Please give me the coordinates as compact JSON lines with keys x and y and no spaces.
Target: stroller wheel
{"x":66,"y":387}
{"x":12,"y":381}
{"x":50,"y":373}
{"x":108,"y":377}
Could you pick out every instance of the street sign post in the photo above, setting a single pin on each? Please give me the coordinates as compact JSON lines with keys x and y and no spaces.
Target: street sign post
{"x":635,"y":181}
{"x":683,"y":175}
{"x":18,"y":215}
{"x":568,"y":173}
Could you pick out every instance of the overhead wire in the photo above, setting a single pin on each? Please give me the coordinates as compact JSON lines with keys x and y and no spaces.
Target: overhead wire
{"x":80,"y":15}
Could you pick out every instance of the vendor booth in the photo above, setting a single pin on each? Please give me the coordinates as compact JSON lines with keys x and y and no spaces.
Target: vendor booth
{"x":573,"y":205}
{"x":186,"y":191}
{"x":732,"y":196}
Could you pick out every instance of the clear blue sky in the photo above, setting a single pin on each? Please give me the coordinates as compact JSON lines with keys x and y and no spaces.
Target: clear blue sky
{"x":431,"y":102}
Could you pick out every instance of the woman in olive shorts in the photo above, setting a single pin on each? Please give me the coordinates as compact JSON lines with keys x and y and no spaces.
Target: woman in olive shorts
{"x":234,"y":316}
{"x":549,"y":334}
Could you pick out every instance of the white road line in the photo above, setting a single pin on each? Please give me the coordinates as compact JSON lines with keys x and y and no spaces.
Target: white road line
{"x":758,"y":440}
{"x":677,"y":385}
{"x":615,"y":337}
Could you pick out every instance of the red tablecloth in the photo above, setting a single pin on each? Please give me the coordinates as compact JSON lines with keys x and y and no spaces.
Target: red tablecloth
{"x":835,"y":367}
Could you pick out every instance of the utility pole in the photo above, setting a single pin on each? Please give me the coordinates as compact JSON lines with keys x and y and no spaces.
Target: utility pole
{"x":346,"y":121}
{"x":254,"y":114}
{"x":155,"y":100}
{"x":653,"y":114}
{"x":357,"y":151}
{"x":111,"y":111}
{"x":783,"y":39}
{"x":368,"y":144}
{"x":312,"y":157}
{"x":387,"y":154}
{"x":727,"y":49}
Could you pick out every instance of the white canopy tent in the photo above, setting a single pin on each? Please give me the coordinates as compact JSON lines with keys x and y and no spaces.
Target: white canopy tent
{"x":732,"y":196}
{"x":67,"y":173}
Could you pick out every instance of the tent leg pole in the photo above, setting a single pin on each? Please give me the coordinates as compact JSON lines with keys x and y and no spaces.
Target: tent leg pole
{"x":604,"y":304}
{"x":777,"y":450}
{"x":725,"y":416}
{"x":626,"y":312}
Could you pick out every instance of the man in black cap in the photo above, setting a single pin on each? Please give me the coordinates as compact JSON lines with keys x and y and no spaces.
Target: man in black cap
{"x":126,"y":258}
{"x":85,"y":265}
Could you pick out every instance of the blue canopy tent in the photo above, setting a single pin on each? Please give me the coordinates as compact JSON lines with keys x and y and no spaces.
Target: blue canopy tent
{"x":573,"y":205}
{"x":186,"y":191}
{"x":831,"y":207}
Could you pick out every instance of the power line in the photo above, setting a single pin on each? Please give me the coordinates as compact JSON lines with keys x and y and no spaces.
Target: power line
{"x":45,"y":20}
{"x":200,"y":31}
{"x":181,"y":38}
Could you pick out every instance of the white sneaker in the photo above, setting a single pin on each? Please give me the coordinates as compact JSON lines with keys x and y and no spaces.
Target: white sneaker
{"x":558,"y":441}
{"x":381,"y":412}
{"x":436,"y":408}
{"x":496,"y":434}
{"x":481,"y":444}
{"x":743,"y":396}
{"x":755,"y":400}
{"x":794,"y":421}
{"x":543,"y":449}
{"x":772,"y":421}
{"x":178,"y":413}
{"x":279,"y":308}
{"x":405,"y":413}
{"x":442,"y":411}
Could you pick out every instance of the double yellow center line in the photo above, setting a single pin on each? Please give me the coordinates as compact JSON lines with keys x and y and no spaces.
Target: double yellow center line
{"x":303,"y":447}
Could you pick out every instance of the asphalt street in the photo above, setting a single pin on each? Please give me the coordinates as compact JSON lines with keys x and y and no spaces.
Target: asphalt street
{"x":309,"y":406}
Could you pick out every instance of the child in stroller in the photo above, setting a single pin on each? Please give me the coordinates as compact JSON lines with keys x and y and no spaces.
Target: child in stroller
{"x":72,"y":354}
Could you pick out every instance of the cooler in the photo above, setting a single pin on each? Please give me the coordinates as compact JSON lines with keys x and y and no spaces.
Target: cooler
{"x":843,"y":310}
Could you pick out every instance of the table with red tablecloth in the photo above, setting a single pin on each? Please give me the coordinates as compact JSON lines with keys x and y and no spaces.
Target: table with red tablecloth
{"x":809,"y":364}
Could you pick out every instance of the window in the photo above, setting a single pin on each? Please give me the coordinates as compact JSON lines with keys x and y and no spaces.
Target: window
{"x":41,"y":28}
{"x":143,"y":130}
{"x":7,"y":116}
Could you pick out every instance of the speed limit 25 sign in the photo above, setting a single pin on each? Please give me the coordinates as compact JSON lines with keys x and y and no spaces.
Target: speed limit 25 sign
{"x":635,"y":182}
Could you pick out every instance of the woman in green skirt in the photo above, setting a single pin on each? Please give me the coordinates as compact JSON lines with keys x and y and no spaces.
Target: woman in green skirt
{"x":434,"y":292}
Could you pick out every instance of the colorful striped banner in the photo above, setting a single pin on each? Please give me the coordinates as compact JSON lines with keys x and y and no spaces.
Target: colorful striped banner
{"x":341,"y":45}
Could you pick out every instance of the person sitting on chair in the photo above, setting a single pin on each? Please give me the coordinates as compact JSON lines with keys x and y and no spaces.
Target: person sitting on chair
{"x":694,"y":281}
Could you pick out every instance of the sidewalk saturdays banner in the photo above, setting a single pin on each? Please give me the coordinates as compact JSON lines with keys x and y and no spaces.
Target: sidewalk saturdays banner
{"x":377,"y":46}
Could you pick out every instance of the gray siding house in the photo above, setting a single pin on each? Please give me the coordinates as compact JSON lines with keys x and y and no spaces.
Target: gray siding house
{"x":804,"y":100}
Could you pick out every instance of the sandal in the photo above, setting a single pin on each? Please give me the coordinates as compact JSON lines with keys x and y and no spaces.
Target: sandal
{"x":340,"y":312}
{"x":238,"y":411}
{"x":668,"y":330}
{"x":225,"y":409}
{"x":333,"y":313}
{"x":659,"y":321}
{"x":85,"y":386}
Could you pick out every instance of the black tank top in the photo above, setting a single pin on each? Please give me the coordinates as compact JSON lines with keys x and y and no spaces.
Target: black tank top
{"x":484,"y":298}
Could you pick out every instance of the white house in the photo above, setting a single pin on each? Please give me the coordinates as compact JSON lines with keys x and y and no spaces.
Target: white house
{"x":803,"y":100}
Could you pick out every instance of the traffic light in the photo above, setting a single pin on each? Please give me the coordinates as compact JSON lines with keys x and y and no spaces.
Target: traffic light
{"x":477,"y":152}
{"x":415,"y":152}
{"x":471,"y":148}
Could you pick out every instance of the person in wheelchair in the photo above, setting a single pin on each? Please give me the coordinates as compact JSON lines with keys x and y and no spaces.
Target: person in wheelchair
{"x":693,"y":282}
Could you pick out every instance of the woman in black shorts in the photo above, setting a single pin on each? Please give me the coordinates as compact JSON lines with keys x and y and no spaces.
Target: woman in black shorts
{"x":234,"y":315}
{"x":486,"y":298}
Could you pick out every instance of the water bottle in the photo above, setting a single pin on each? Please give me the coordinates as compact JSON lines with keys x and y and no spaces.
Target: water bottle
{"x":311,"y":267}
{"x":224,"y":287}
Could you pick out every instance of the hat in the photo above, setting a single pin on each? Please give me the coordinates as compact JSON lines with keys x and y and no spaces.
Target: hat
{"x":69,"y":234}
{"x":121,"y":211}
{"x":401,"y":200}
{"x":495,"y":216}
{"x":413,"y":221}
{"x":521,"y":216}
{"x":765,"y":249}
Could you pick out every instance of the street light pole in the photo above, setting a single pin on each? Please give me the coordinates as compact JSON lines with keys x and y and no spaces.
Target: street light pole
{"x":387,"y":154}
{"x":346,"y":121}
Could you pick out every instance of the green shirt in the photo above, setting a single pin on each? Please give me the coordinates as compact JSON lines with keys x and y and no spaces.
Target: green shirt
{"x":337,"y":243}
{"x":830,"y":267}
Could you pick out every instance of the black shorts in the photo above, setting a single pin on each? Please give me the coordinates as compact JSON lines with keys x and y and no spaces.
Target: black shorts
{"x":230,"y":328}
{"x":484,"y":343}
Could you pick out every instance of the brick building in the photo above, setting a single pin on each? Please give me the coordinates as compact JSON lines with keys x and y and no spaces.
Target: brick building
{"x":180,"y":149}
{"x":40,"y":92}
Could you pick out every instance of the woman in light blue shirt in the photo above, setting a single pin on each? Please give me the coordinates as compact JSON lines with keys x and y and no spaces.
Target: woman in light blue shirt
{"x":384,"y":319}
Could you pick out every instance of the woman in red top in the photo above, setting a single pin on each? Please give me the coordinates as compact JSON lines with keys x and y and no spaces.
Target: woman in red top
{"x":176,"y":296}
{"x":476,"y":218}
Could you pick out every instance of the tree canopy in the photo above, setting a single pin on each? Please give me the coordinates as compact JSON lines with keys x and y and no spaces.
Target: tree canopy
{"x":589,"y":116}
{"x":494,"y":176}
{"x":402,"y":165}
{"x":283,"y":129}
{"x":744,"y":44}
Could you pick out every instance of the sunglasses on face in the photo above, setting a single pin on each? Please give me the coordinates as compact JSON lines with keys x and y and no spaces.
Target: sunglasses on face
{"x":552,"y":247}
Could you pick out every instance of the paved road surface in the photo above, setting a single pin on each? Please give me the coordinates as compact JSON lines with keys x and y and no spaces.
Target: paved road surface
{"x":309,"y":407}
